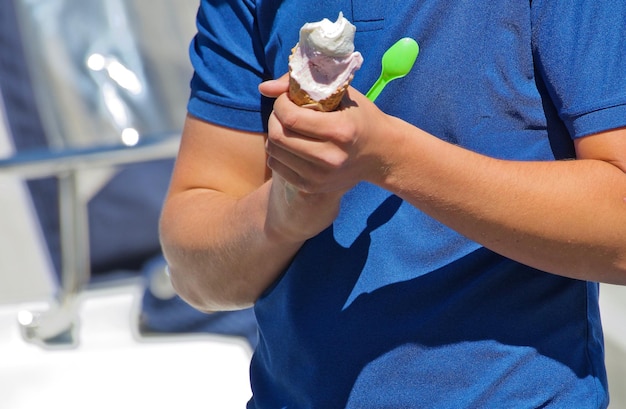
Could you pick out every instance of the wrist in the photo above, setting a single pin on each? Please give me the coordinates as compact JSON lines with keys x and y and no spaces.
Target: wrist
{"x":294,"y":216}
{"x":392,"y":155}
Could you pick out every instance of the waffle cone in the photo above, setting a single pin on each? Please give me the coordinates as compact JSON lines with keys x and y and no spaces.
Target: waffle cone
{"x":302,"y":98}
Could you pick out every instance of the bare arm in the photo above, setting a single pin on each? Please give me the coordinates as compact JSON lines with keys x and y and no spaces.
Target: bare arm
{"x":227,"y":230}
{"x":564,"y":217}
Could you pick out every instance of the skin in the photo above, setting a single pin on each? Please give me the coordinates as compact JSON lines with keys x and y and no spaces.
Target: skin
{"x":240,"y":205}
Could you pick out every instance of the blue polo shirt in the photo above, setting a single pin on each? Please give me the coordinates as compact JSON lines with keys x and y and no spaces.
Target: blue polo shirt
{"x":388,"y":308}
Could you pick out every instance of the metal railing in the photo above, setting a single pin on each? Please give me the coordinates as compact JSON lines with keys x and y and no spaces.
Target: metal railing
{"x":58,"y":325}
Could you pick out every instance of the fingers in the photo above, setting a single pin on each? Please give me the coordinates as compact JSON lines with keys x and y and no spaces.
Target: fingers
{"x":318,"y":148}
{"x":287,"y":173}
{"x":306,"y":121}
{"x":288,"y":113}
{"x":312,"y":150}
{"x":274,"y":88}
{"x":307,"y":163}
{"x":338,"y":126}
{"x":291,"y":155}
{"x":304,"y":175}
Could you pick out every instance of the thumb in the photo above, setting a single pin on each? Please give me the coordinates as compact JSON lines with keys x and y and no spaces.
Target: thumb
{"x":274,"y":88}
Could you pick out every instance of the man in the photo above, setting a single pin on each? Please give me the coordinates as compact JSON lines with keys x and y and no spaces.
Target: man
{"x":433,"y":250}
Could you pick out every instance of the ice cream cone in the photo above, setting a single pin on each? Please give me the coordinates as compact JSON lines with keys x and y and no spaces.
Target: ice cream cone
{"x":301,"y":98}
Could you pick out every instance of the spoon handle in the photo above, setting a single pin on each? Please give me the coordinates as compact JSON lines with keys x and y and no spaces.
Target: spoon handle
{"x":376,"y":89}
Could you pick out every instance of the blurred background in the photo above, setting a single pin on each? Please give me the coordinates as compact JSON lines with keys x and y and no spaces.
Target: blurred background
{"x":93,"y":96}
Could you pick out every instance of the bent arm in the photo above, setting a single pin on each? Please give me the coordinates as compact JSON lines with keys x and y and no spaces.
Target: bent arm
{"x":225,"y":229}
{"x":202,"y":212}
{"x":563,"y":217}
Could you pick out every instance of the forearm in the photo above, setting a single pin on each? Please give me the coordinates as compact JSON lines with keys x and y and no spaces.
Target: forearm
{"x":564,"y":217}
{"x":219,"y":250}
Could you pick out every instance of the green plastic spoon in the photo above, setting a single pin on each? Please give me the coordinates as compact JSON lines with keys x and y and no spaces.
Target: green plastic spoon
{"x":396,"y":63}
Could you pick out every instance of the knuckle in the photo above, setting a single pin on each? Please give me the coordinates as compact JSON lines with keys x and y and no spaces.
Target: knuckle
{"x":289,"y":120}
{"x":335,"y":160}
{"x":344,"y":133}
{"x":287,"y":117}
{"x":274,"y":137}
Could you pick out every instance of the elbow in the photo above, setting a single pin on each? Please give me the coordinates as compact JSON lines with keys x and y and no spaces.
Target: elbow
{"x":194,"y":279}
{"x":189,"y":293}
{"x":620,"y":267}
{"x":200,"y":276}
{"x":610,"y":269}
{"x":207,"y":295}
{"x":618,"y":263}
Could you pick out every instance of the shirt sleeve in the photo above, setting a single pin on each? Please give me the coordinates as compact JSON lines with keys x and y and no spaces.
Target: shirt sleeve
{"x":580,"y":52}
{"x":227,"y":57}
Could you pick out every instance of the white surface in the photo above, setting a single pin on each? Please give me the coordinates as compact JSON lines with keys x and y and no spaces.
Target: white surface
{"x":613,"y":307}
{"x":112,"y":368}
